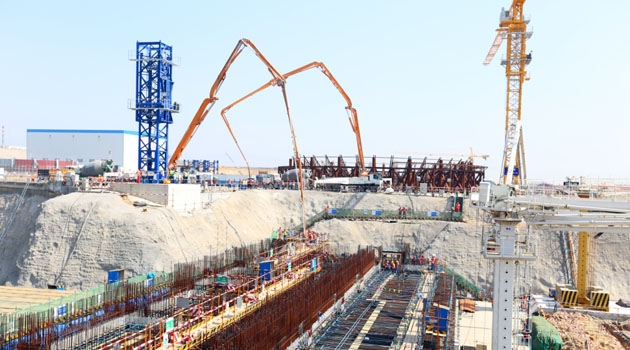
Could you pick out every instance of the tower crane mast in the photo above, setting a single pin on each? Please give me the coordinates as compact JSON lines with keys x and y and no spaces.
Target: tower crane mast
{"x":504,"y":245}
{"x":513,"y":27}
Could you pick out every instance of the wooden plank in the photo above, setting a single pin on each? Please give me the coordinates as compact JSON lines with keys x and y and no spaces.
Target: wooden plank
{"x":16,"y":298}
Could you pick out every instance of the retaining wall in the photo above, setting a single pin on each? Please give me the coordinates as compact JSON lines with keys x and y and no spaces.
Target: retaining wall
{"x":49,"y":189}
{"x":182,"y":197}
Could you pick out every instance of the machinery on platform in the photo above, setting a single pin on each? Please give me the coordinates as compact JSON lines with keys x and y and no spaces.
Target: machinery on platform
{"x":294,"y":175}
{"x":267,"y":180}
{"x":97,"y":167}
{"x":372,"y":183}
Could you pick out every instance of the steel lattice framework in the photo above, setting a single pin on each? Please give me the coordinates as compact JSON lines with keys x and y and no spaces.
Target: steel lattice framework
{"x":514,"y":158}
{"x":439,"y":174}
{"x":154,"y":105}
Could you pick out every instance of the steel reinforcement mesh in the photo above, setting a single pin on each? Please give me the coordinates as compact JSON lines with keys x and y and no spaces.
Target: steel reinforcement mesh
{"x":278,"y":323}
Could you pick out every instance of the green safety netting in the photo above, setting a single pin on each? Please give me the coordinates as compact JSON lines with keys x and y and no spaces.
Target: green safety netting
{"x":544,"y":335}
{"x":465,"y":284}
{"x":380,"y":214}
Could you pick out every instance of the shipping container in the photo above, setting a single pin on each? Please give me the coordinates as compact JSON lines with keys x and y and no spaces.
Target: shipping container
{"x":45,"y":163}
{"x":66,"y":164}
{"x":24,"y":164}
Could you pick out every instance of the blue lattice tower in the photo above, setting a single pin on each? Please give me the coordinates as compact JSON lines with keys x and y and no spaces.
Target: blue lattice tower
{"x":154,"y":105}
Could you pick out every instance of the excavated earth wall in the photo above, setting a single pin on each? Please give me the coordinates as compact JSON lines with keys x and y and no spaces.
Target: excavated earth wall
{"x":75,"y":239}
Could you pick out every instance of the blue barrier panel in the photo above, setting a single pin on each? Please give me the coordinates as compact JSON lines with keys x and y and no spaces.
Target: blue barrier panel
{"x":265,"y":270}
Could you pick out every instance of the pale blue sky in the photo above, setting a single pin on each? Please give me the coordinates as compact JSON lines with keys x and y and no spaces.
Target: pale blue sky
{"x":412,"y":68}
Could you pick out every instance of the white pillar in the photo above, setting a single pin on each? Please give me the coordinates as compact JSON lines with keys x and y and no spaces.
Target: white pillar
{"x":502,"y":304}
{"x":505,"y":238}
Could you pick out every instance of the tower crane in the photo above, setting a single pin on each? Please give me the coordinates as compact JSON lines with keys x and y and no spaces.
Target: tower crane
{"x":513,"y":27}
{"x":352,"y":113}
{"x":508,"y":208}
{"x":208,"y":103}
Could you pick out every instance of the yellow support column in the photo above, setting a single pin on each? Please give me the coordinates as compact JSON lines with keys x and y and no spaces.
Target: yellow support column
{"x":583,"y":265}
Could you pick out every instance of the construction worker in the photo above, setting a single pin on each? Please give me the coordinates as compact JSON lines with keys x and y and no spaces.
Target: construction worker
{"x":171,"y":174}
{"x":434,"y":262}
{"x":185,"y":180}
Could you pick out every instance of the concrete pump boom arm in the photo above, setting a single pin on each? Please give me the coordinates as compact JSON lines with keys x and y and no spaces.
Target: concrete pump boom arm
{"x":352,"y":118}
{"x":208,"y":103}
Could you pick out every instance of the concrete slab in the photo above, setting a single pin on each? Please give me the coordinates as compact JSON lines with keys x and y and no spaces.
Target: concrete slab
{"x":476,"y":328}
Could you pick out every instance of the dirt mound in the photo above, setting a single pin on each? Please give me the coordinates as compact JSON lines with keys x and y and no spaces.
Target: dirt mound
{"x":579,"y":329}
{"x":75,"y":239}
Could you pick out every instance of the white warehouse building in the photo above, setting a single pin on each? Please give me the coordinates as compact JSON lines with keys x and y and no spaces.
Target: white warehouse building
{"x":84,"y":146}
